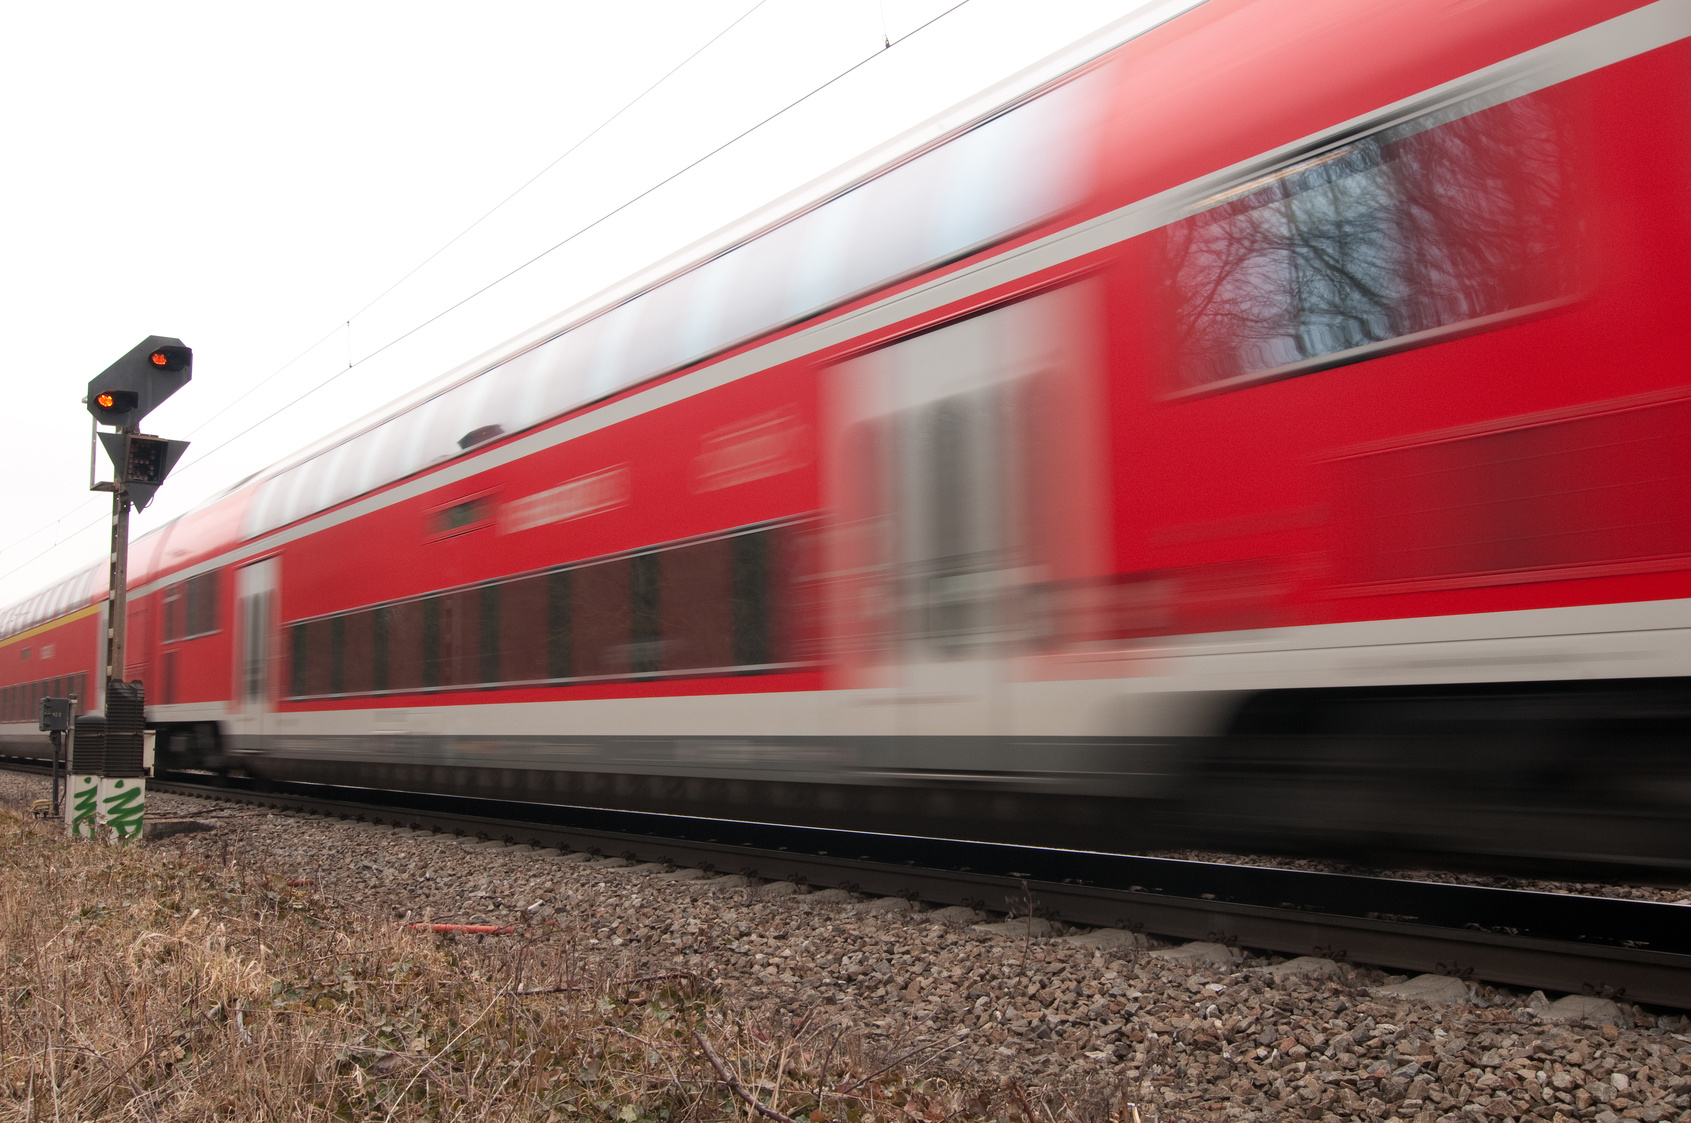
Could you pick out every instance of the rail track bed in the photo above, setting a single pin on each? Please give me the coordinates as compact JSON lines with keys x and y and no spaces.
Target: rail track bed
{"x":1639,"y":950}
{"x":1077,"y":1021}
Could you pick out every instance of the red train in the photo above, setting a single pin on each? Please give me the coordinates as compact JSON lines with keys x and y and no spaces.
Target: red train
{"x":1268,"y":430}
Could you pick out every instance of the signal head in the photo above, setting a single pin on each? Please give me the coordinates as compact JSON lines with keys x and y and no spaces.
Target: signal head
{"x":113,"y":407}
{"x":138,"y":383}
{"x":170,"y":358}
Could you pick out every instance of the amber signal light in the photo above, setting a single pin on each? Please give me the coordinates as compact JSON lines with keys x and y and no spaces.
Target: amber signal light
{"x":106,"y":401}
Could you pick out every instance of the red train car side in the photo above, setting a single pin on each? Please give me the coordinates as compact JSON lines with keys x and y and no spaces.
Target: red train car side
{"x":1266,"y":431}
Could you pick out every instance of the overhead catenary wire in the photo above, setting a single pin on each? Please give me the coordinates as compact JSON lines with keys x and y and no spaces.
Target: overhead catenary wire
{"x":613,"y":212}
{"x":345,"y":325}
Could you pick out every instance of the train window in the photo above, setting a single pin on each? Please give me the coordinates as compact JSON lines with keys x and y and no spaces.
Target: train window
{"x":661,"y":345}
{"x":337,"y":655}
{"x":599,"y":619}
{"x":520,"y":639}
{"x":200,"y":616}
{"x":1446,"y":222}
{"x":298,"y":659}
{"x":489,"y":621}
{"x":460,"y":518}
{"x":559,"y":370}
{"x":560,"y":624}
{"x":356,"y":650}
{"x":405,"y":646}
{"x":645,"y":641}
{"x":761,"y":273}
{"x":698,"y":628}
{"x":752,"y":589}
{"x":171,"y":615}
{"x":429,"y":641}
{"x":460,"y":637}
{"x":379,"y":623}
{"x":319,"y":657}
{"x":706,"y":606}
{"x":336,"y":480}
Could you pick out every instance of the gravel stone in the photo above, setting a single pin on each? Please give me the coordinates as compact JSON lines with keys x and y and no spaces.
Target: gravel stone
{"x":1186,"y":1035}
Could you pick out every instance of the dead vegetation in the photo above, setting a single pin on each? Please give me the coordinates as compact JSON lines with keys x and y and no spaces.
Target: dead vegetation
{"x":138,"y":984}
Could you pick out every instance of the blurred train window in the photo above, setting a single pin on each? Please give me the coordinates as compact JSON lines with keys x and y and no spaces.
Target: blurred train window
{"x":599,"y":619}
{"x":171,"y":616}
{"x":380,"y":622}
{"x":489,"y":634}
{"x":405,"y":645}
{"x":299,"y":658}
{"x":697,"y":625}
{"x":1439,"y":224}
{"x":337,"y":655}
{"x":201,"y":613}
{"x":752,"y":598}
{"x":645,"y":643}
{"x":429,"y":641}
{"x":319,"y":656}
{"x":359,"y":647}
{"x":460,"y":517}
{"x":335,"y":480}
{"x":460,"y":637}
{"x":560,"y":624}
{"x":715,"y":606}
{"x":1609,"y":492}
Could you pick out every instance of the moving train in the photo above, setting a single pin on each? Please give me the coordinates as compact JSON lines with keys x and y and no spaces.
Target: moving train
{"x":1261,"y":426}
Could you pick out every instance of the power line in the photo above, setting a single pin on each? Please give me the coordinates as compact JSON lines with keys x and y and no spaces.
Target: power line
{"x":396,"y":340}
{"x":346,"y":325}
{"x":597,"y":129}
{"x":887,"y":45}
{"x":43,"y":553}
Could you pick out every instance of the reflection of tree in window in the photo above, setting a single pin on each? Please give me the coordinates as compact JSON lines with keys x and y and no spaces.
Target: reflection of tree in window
{"x":1428,"y":225}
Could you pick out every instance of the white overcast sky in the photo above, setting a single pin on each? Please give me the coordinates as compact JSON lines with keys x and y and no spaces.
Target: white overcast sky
{"x":249,"y":178}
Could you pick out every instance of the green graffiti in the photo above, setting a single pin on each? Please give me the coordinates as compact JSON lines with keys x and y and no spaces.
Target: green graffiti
{"x":124,"y":811}
{"x":82,"y":807}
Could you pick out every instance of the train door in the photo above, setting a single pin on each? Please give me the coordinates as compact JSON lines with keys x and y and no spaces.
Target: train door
{"x":965,"y":478}
{"x":255,"y":644}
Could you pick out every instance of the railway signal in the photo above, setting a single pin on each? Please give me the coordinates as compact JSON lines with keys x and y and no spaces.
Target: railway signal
{"x":120,"y":397}
{"x":139,"y":383}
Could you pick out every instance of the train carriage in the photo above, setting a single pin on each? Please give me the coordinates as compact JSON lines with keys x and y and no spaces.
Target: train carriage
{"x":1268,"y":430}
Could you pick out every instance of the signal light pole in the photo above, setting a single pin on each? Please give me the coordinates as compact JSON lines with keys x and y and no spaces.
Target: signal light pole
{"x":120,"y":397}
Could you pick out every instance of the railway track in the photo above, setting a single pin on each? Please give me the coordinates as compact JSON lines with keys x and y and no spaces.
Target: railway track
{"x":1636,"y":950}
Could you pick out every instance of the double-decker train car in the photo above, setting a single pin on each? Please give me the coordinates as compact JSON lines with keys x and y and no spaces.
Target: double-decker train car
{"x":1263,"y":425}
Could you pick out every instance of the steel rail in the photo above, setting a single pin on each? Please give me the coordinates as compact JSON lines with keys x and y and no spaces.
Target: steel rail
{"x":1636,"y":950}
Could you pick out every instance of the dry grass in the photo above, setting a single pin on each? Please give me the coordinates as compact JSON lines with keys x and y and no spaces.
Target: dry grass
{"x":139,"y":985}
